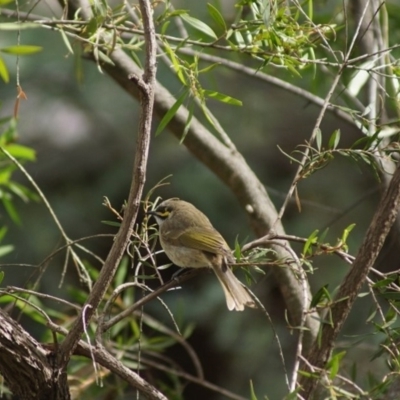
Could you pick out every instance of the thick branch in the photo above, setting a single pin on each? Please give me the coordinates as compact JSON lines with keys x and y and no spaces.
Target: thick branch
{"x":378,"y":230}
{"x":25,"y":365}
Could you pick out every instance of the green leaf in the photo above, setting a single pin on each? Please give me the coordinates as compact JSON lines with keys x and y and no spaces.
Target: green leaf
{"x":209,"y":68}
{"x":17,"y":26}
{"x":334,"y":363}
{"x":8,"y":248}
{"x":346,"y":232}
{"x":199,"y":25}
{"x":171,"y":112}
{"x":334,"y":139}
{"x":164,"y":27}
{"x":187,"y":123}
{"x":391,"y":295}
{"x":252,"y":393}
{"x":216,"y":16}
{"x":312,"y":239}
{"x":11,"y":210}
{"x":175,"y":63}
{"x":3,"y":232}
{"x":222,"y":97}
{"x":322,"y":294}
{"x":21,"y":152}
{"x":4,"y":71}
{"x":4,"y":2}
{"x":1,"y":276}
{"x":22,"y":50}
{"x":66,"y":41}
{"x":318,"y":139}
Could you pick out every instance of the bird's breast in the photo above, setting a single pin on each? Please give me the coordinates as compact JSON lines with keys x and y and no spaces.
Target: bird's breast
{"x":186,"y":257}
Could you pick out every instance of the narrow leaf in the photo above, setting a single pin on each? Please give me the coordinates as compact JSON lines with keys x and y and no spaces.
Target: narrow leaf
{"x":310,"y":241}
{"x":334,"y":139}
{"x":171,"y":112}
{"x":175,"y":63}
{"x":11,"y":210}
{"x":199,"y":25}
{"x":4,"y":71}
{"x":187,"y":123}
{"x":222,"y":97}
{"x":216,"y":16}
{"x":21,"y":50}
{"x":252,"y":393}
{"x":66,"y":41}
{"x":318,"y":139}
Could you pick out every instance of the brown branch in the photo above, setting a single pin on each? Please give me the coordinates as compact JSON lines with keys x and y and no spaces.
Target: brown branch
{"x":138,"y":180}
{"x":379,"y":228}
{"x":26,"y":366}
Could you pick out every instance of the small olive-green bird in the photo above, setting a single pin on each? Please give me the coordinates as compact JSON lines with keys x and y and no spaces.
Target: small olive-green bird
{"x":190,"y":241}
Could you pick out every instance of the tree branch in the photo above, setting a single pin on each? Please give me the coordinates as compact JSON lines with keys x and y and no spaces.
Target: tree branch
{"x":379,"y":228}
{"x":26,"y":365}
{"x":137,"y":184}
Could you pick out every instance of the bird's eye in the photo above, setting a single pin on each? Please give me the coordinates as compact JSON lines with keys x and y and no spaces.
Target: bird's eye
{"x":163,"y":212}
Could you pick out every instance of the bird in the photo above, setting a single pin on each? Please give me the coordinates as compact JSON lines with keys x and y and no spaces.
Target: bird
{"x":190,"y":241}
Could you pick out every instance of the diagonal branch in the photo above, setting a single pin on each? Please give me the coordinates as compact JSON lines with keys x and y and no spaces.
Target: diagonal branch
{"x":379,"y":228}
{"x":146,"y":83}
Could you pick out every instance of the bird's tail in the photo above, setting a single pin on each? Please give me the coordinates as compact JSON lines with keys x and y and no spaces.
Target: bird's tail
{"x":236,"y":295}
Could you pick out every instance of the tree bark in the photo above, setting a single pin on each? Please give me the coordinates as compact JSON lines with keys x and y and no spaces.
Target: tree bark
{"x":28,"y":369}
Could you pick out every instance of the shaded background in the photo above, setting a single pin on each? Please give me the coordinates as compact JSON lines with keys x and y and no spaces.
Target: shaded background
{"x":84,"y":135}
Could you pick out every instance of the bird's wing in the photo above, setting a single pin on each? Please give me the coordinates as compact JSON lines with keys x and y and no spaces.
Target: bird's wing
{"x":204,"y":239}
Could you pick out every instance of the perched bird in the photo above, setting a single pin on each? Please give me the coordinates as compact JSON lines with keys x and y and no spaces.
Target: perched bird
{"x":190,"y":241}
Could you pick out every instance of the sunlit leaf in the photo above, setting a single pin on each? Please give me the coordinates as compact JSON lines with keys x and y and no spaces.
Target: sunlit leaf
{"x":175,"y":63}
{"x":312,"y":239}
{"x":334,"y":363}
{"x":360,"y":78}
{"x":4,"y":71}
{"x":21,"y":50}
{"x":6,"y":249}
{"x":21,"y":152}
{"x":222,"y":97}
